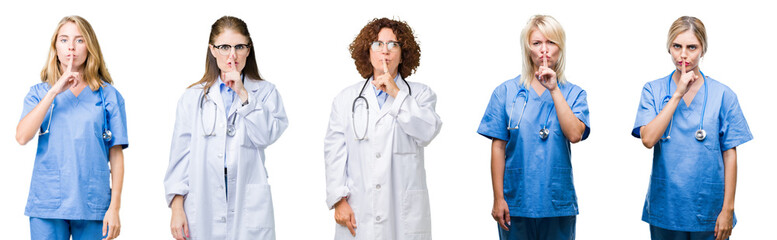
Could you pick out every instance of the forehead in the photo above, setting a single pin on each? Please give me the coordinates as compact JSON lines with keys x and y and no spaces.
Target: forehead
{"x":686,"y":38}
{"x":69,"y":29}
{"x":536,"y":35}
{"x":386,"y":34}
{"x":229,"y":36}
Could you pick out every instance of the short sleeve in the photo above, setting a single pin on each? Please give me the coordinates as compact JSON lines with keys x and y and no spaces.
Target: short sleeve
{"x":117,"y":119}
{"x":647,"y":111}
{"x":733,"y":126}
{"x":31,"y":100}
{"x":580,"y":109}
{"x":494,"y":122}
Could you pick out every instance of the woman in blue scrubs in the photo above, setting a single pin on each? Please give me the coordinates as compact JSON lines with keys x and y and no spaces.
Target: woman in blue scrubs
{"x":531,"y":120}
{"x":694,"y":124}
{"x":80,"y":121}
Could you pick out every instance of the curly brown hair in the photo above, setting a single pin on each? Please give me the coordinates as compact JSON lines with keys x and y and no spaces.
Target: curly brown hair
{"x":360,"y":47}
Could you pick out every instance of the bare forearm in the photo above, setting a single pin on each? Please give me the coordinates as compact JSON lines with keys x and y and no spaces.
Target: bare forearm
{"x":730,"y":171}
{"x":571,"y":126}
{"x":653,"y":131}
{"x":117,"y":175}
{"x":498,"y":167}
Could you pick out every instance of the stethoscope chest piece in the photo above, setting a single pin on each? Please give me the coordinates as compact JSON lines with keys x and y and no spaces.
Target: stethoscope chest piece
{"x":107,"y":135}
{"x":231,"y":131}
{"x":544,"y":133}
{"x":701,"y":134}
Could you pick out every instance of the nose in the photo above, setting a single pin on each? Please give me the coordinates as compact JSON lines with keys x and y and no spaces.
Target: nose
{"x":684,"y":53}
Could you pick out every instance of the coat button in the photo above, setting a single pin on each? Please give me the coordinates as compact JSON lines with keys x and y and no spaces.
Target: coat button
{"x":223,"y":219}
{"x":377,"y":218}
{"x":377,"y":155}
{"x":377,"y":186}
{"x":221,"y":155}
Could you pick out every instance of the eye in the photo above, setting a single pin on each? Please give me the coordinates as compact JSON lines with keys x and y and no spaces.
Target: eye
{"x":552,"y":42}
{"x":80,"y":41}
{"x":535,"y":43}
{"x":676,"y":46}
{"x":692,"y":47}
{"x":63,"y":40}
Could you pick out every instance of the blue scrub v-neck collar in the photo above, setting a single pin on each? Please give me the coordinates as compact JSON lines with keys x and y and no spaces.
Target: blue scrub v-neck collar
{"x":687,"y":109}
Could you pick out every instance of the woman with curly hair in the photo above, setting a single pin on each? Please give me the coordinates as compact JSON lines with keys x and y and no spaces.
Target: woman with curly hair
{"x":531,"y":121}
{"x":374,"y":145}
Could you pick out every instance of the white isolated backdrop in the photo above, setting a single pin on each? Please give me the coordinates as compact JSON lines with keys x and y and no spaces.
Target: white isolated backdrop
{"x":155,"y":49}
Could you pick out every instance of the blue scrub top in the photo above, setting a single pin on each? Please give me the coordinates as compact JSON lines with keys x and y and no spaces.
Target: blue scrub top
{"x":71,"y":177}
{"x":687,"y":181}
{"x":538,"y":173}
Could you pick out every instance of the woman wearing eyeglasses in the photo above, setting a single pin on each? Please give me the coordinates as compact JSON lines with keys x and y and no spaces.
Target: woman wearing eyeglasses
{"x":694,"y":124}
{"x":531,"y":120}
{"x":374,"y":145}
{"x":216,"y":183}
{"x":81,"y":124}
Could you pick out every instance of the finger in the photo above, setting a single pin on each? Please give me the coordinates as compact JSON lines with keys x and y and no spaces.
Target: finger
{"x":105,"y":227}
{"x":350,"y":228}
{"x":683,"y":63}
{"x":385,"y":66}
{"x":507,"y":217}
{"x":545,"y":61}
{"x":501,"y":221}
{"x":186,"y":229}
{"x":70,"y":63}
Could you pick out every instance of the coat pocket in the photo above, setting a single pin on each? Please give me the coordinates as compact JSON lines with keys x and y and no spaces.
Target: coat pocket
{"x":562,"y":188}
{"x":709,"y":202}
{"x":99,"y":192}
{"x":513,"y":187}
{"x":656,"y":197}
{"x":45,"y":188}
{"x":258,"y":211}
{"x":416,"y":213}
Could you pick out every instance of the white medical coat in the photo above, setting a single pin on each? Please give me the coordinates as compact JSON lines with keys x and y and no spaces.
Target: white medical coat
{"x":196,"y":169}
{"x":383,"y":176}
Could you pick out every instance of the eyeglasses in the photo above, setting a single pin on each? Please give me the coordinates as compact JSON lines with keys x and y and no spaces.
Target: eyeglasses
{"x":378,"y":45}
{"x":224,"y":49}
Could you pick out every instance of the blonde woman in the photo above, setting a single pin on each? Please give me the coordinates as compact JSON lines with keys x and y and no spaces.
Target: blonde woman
{"x":531,"y":120}
{"x":694,"y":124}
{"x":81,"y":124}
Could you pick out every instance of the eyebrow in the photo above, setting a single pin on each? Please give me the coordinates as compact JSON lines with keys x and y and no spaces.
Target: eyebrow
{"x":63,"y":35}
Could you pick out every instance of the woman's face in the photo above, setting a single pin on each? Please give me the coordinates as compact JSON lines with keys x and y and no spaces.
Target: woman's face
{"x":392,"y":57}
{"x":236,"y":56}
{"x":686,"y":50}
{"x":543,"y":49}
{"x":71,"y":44}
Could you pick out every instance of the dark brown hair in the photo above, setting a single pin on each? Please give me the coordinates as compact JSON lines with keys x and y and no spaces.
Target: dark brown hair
{"x":212,"y":70}
{"x":360,"y":47}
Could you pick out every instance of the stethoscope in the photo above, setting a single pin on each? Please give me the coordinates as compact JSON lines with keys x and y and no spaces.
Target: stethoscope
{"x":230,"y":127}
{"x":107,"y":135}
{"x":700,"y":133}
{"x":353,"y":109}
{"x":544,"y":132}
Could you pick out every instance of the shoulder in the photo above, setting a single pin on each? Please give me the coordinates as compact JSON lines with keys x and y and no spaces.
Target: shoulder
{"x":352,"y":90}
{"x":40,"y":89}
{"x":509,"y":85}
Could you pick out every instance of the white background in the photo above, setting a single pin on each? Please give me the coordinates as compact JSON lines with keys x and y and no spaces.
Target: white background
{"x":155,"y":49}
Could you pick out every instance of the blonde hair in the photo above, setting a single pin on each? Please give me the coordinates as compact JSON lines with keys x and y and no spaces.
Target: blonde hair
{"x":552,"y":30}
{"x":688,"y":23}
{"x":95,"y":71}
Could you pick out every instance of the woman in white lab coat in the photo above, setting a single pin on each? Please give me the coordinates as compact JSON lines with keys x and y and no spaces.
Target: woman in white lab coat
{"x":216,"y":183}
{"x":374,"y":145}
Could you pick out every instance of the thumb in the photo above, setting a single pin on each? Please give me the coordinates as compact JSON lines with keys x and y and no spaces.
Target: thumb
{"x":105,"y":226}
{"x":186,"y":229}
{"x":353,"y":220}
